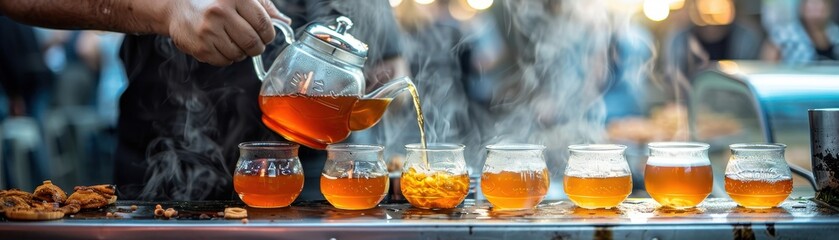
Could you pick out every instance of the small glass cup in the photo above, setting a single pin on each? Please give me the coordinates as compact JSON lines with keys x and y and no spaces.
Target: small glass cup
{"x":434,"y":177}
{"x":757,"y":175}
{"x":355,"y":176}
{"x":515,"y":176}
{"x":597,"y":175}
{"x":678,"y":174}
{"x":268,"y":174}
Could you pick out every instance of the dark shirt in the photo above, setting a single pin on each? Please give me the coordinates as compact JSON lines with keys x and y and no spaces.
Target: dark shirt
{"x":718,"y":50}
{"x":826,"y":53}
{"x":181,"y":120}
{"x":23,"y":72}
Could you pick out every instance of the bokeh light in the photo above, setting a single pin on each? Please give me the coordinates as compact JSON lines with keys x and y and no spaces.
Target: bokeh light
{"x":657,"y":10}
{"x":676,"y":4}
{"x":459,"y":11}
{"x":479,"y":4}
{"x":424,"y":2}
{"x":395,"y":3}
{"x":713,"y":12}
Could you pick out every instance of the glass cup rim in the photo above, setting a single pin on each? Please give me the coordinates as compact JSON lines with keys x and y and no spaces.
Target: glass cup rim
{"x":596,"y":147}
{"x":435,"y":147}
{"x":683,"y":146}
{"x":353,"y":147}
{"x":757,"y":146}
{"x":268,"y":145}
{"x":515,"y":147}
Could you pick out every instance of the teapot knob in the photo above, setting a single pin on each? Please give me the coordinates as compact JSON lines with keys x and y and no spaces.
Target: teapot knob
{"x":344,"y":24}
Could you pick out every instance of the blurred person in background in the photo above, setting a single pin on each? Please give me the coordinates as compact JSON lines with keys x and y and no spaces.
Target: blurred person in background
{"x":812,"y":37}
{"x":715,"y":31}
{"x":714,"y":34}
{"x":25,"y":80}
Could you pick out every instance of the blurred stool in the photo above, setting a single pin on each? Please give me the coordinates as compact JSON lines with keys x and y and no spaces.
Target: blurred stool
{"x":2,"y":163}
{"x":24,"y":138}
{"x":72,"y":133}
{"x":61,"y":146}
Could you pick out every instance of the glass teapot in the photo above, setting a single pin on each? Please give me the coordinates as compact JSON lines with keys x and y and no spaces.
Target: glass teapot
{"x":313,"y":93}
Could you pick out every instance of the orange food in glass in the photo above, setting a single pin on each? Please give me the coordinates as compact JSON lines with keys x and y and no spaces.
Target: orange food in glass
{"x":316,"y":121}
{"x":595,"y":192}
{"x":268,"y":192}
{"x":758,"y":193}
{"x":354,"y":193}
{"x":437,"y":190}
{"x":515,"y":190}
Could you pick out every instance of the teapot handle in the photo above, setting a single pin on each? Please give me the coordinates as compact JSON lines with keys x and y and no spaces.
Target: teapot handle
{"x":259,"y":68}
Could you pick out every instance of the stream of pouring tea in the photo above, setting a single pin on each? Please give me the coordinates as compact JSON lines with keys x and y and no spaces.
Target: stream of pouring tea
{"x":420,"y":121}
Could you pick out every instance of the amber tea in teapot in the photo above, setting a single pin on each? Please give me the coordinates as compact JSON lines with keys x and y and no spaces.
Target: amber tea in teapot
{"x":313,"y":93}
{"x":317,"y":120}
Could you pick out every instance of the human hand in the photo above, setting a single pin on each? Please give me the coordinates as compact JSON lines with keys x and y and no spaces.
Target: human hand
{"x":220,"y":32}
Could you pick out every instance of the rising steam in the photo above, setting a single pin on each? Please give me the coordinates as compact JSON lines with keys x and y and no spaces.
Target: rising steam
{"x":560,"y":55}
{"x":185,"y":163}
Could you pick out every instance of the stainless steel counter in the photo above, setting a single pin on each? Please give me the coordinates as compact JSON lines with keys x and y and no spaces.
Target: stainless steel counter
{"x":635,"y":219}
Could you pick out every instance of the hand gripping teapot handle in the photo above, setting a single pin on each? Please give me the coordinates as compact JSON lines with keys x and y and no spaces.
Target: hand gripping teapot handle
{"x":258,"y":67}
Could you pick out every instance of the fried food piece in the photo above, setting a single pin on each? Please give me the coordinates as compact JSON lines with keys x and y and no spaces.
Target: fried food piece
{"x":94,"y":196}
{"x":16,"y":192}
{"x":107,"y":189}
{"x":50,"y":193}
{"x":72,"y":208}
{"x":10,"y":202}
{"x":33,"y":214}
{"x":159,"y":212}
{"x":41,"y":205}
{"x":235,"y":213}
{"x":170,"y":212}
{"x":88,"y":198}
{"x":14,"y":198}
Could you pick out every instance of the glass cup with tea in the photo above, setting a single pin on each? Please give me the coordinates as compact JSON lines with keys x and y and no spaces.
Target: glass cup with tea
{"x":268,"y":174}
{"x":678,"y":174}
{"x":355,"y":176}
{"x":757,"y":175}
{"x":515,"y":176}
{"x":597,"y":175}
{"x":434,"y":177}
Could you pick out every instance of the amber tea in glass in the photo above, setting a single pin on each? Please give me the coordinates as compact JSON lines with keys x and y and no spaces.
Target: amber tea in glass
{"x":355,"y":176}
{"x":434,"y":177}
{"x":597,"y":175}
{"x":678,"y":174}
{"x":515,"y":176}
{"x":757,"y":175}
{"x":268,"y":174}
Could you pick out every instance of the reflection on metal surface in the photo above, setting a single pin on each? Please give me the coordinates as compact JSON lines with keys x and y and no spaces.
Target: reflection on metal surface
{"x":633,"y":210}
{"x":634,"y":219}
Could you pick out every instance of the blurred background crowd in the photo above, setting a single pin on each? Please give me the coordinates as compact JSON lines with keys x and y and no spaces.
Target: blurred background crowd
{"x":60,"y":89}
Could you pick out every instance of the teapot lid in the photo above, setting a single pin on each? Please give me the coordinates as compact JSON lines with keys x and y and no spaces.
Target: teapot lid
{"x":336,"y":41}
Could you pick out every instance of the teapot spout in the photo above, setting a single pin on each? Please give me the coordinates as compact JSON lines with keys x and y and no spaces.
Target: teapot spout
{"x":392,"y":88}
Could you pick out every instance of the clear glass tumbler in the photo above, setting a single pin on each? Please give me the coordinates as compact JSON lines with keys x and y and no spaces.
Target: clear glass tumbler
{"x":268,"y":174}
{"x":678,"y":174}
{"x":757,"y":175}
{"x":434,"y":177}
{"x":515,"y":176}
{"x":597,"y":175}
{"x":355,"y":176}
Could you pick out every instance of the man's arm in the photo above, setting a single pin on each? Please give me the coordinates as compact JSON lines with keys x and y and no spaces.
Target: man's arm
{"x":218,"y":32}
{"x":110,"y":15}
